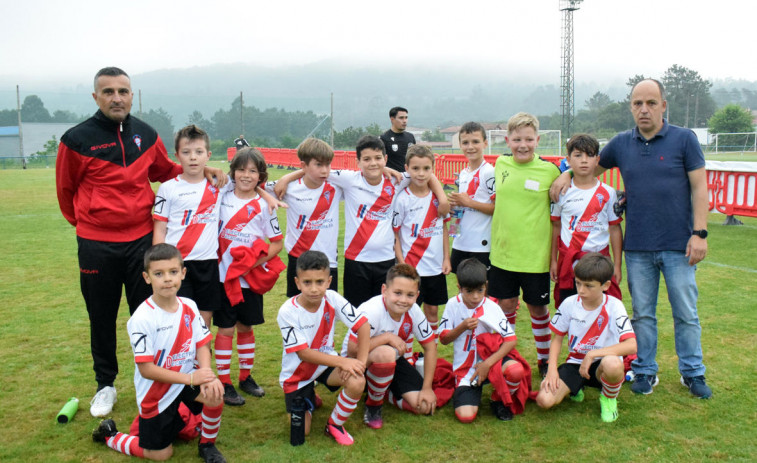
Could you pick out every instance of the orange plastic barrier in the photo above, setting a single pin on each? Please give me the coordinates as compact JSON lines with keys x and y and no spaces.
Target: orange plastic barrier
{"x":712,"y":187}
{"x":736,"y":192}
{"x":230,"y":152}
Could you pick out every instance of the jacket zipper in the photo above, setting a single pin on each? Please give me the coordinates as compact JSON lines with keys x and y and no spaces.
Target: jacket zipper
{"x":123,"y":150}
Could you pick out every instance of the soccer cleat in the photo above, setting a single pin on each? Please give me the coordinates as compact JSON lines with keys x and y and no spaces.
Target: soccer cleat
{"x":210,"y":453}
{"x":251,"y":387}
{"x":643,"y":384}
{"x":106,"y":429}
{"x":102,"y":403}
{"x":372,"y":417}
{"x":543,"y":367}
{"x":609,"y":408}
{"x":502,"y":412}
{"x":231,"y":396}
{"x":697,"y":386}
{"x":340,"y":435}
{"x":579,"y":397}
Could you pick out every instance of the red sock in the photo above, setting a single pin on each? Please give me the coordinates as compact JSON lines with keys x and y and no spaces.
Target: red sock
{"x":126,"y":444}
{"x":513,"y":375}
{"x":378,"y":378}
{"x":246,"y":353}
{"x":400,"y":403}
{"x":223,"y":346}
{"x":610,"y":390}
{"x":344,"y":407}
{"x":542,"y":335}
{"x":211,"y":422}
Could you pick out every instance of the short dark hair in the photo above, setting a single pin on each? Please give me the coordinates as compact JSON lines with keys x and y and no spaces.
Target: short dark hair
{"x":110,"y":71}
{"x":249,"y":155}
{"x":312,"y":260}
{"x":162,"y":251}
{"x":593,"y":266}
{"x":393,"y":112}
{"x":314,"y":148}
{"x":583,"y":142}
{"x":659,"y":86}
{"x":472,"y":127}
{"x":191,"y":132}
{"x":419,"y":151}
{"x":369,"y":142}
{"x":471,"y":273}
{"x":403,"y":271}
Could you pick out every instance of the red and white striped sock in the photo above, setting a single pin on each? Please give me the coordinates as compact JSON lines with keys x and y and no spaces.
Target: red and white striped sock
{"x":542,"y":335}
{"x":126,"y":444}
{"x":399,"y":402}
{"x":378,"y":378}
{"x":211,"y":423}
{"x":246,"y":353}
{"x":513,"y":376}
{"x":345,"y":405}
{"x":610,"y":390}
{"x":223,"y":346}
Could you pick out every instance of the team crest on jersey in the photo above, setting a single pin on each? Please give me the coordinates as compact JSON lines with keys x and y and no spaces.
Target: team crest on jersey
{"x":476,"y":182}
{"x":186,"y":320}
{"x":250,"y":210}
{"x":327,"y":195}
{"x":435,"y":202}
{"x":600,"y":199}
{"x":388,"y":190}
{"x":395,"y":147}
{"x":327,"y":317}
{"x":405,"y":332}
{"x":213,"y":190}
{"x":600,"y":321}
{"x":137,"y":141}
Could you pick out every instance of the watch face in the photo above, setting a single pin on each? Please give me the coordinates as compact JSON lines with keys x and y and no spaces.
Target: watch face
{"x":700,"y":233}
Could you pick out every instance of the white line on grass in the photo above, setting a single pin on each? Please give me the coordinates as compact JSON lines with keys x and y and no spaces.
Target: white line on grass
{"x":733,"y":267}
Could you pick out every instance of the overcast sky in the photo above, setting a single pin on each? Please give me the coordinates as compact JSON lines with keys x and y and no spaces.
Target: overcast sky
{"x":67,"y":41}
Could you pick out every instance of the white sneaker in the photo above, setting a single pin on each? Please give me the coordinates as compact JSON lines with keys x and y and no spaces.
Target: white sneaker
{"x":102,"y":402}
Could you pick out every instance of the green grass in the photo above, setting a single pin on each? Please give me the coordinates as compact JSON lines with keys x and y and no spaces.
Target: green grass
{"x":45,"y":358}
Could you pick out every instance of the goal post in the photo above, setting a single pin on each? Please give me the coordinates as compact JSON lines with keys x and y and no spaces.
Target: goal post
{"x":733,"y":142}
{"x":550,"y":142}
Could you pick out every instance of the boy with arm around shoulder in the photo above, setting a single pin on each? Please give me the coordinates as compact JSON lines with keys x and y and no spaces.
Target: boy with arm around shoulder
{"x":421,"y":237}
{"x":167,"y":336}
{"x":584,"y":220}
{"x":600,"y":334}
{"x":307,"y":329}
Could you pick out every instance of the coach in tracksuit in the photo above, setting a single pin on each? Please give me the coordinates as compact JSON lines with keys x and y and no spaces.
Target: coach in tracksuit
{"x":103,"y":174}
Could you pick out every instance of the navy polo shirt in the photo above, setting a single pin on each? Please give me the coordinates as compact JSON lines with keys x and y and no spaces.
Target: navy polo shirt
{"x":655,"y":173}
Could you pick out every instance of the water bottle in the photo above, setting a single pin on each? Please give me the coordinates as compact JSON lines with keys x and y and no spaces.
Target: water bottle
{"x":297,"y":425}
{"x":456,"y":214}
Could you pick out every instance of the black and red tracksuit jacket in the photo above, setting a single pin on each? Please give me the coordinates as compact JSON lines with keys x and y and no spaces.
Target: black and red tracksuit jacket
{"x":103,"y":174}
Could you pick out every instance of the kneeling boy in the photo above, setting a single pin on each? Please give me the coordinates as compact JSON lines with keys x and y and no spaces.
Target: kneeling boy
{"x":167,"y":336}
{"x":395,"y":322}
{"x":600,"y":334}
{"x":476,"y":324}
{"x":307,"y":328}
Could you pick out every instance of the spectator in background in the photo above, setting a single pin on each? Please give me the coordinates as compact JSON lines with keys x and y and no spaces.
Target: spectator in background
{"x":397,"y":140}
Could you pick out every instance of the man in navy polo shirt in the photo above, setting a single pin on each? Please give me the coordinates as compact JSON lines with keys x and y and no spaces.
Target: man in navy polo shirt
{"x":662,"y":166}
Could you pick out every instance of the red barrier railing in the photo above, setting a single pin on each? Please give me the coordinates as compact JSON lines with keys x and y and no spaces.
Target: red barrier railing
{"x":736,"y":193}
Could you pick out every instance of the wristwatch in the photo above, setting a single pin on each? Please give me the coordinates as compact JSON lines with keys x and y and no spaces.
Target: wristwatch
{"x":700,"y":233}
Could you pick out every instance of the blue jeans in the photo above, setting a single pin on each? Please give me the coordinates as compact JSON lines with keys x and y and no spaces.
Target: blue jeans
{"x":644,"y":269}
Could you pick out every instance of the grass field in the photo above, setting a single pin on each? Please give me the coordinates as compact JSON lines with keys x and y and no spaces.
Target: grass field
{"x":45,"y":359}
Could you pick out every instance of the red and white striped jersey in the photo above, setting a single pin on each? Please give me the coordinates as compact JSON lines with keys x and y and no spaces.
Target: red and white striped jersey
{"x":412,"y":325}
{"x":312,"y":218}
{"x":191,"y":213}
{"x":243,"y":221}
{"x":301,"y":329}
{"x":368,"y":235}
{"x":588,"y":330}
{"x":169,"y":340}
{"x":475,"y":226}
{"x":491,"y":319}
{"x":586,"y":216}
{"x":421,"y":231}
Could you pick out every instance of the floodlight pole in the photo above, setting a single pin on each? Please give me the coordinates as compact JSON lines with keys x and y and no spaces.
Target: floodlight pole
{"x":567,"y":85}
